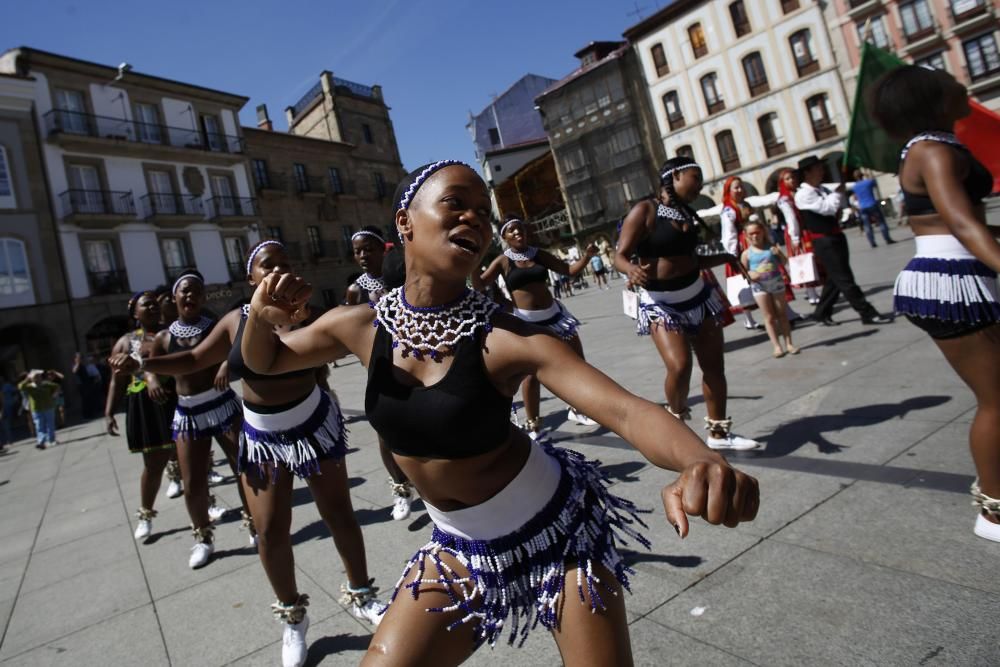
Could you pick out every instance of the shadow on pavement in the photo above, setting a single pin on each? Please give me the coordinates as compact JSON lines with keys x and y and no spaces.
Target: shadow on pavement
{"x":633,"y":557}
{"x":157,"y":536}
{"x":623,"y":472}
{"x":829,"y":342}
{"x":321,"y":648}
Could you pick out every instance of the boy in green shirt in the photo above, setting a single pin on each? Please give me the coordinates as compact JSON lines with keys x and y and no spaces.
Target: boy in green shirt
{"x":41,"y":395}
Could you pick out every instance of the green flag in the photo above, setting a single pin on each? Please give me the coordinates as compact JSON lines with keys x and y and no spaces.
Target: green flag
{"x":867,"y":144}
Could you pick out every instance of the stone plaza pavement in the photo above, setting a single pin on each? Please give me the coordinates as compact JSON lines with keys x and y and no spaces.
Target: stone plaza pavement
{"x":863,"y":552}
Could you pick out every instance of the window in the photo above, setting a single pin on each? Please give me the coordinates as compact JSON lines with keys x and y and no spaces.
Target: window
{"x":15,"y":280}
{"x":741,"y":22}
{"x":161,"y":192}
{"x":301,"y":178}
{"x":72,"y":112}
{"x":770,"y":134}
{"x":672,"y":105}
{"x":573,"y":159}
{"x":820,"y":117}
{"x":336,"y":185}
{"x":981,"y":56}
{"x":659,"y":60}
{"x":214,"y":139}
{"x":175,"y":257}
{"x":225,"y":202}
{"x":961,"y":8}
{"x":366,"y":130}
{"x":935,"y":60}
{"x":236,"y":252}
{"x":346,"y":232}
{"x":635,"y":186}
{"x":727,"y":150}
{"x":753,"y":68}
{"x":917,"y":19}
{"x":274,"y":232}
{"x":494,"y":136}
{"x":879,"y":34}
{"x":261,"y":178}
{"x":584,"y":203}
{"x":379,"y":185}
{"x":710,"y":89}
{"x":147,"y":121}
{"x":697,"y":37}
{"x":315,"y":243}
{"x":86,"y":195}
{"x":685,"y":151}
{"x":7,"y":198}
{"x":789,"y":6}
{"x":802,"y":51}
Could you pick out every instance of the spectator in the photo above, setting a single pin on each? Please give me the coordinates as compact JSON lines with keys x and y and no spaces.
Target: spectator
{"x":91,"y":384}
{"x":41,"y":395}
{"x":57,"y":378}
{"x":9,"y":400}
{"x":869,"y":211}
{"x":600,"y":272}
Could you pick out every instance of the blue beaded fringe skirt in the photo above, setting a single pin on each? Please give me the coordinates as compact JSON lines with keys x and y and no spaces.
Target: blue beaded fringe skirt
{"x":206,"y":414}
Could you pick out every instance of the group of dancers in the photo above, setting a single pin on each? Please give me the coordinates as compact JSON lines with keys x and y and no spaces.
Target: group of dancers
{"x":525,"y":533}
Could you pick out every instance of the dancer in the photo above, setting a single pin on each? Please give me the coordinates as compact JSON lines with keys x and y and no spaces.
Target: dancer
{"x":797,"y":240}
{"x":147,"y":421}
{"x":949,"y":288}
{"x":761,"y":260}
{"x":369,"y":253}
{"x":518,"y":525}
{"x":206,"y":407}
{"x":168,"y":313}
{"x":676,"y":305}
{"x":524,"y":269}
{"x":291,"y":428}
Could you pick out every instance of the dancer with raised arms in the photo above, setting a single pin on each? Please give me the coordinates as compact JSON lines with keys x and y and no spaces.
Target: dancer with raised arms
{"x":525,"y":533}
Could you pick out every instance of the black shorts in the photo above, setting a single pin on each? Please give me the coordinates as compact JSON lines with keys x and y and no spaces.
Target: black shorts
{"x":945,"y":329}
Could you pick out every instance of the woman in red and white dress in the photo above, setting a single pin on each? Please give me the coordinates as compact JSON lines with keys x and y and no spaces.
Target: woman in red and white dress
{"x":797,"y":239}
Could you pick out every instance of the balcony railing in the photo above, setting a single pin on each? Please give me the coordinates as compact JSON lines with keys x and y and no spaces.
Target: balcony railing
{"x":576,"y":176}
{"x":107,"y":282}
{"x":307,"y":99}
{"x":307,"y":183}
{"x":759,"y":88}
{"x":824,"y":130}
{"x":716,"y":106}
{"x":96,"y":202}
{"x":60,"y":121}
{"x":775,"y":148}
{"x":676,"y":122}
{"x":730,"y":162}
{"x":789,"y":6}
{"x":742,"y":28}
{"x":805,"y":67}
{"x":274,"y":181}
{"x":229,"y":207}
{"x":963,"y":10}
{"x":160,"y":204}
{"x":625,"y":157}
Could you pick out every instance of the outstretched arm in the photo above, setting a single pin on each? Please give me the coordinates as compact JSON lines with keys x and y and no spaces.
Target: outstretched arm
{"x":115,"y":389}
{"x":212,"y":350}
{"x":632,"y":232}
{"x":490,"y":274}
{"x":553,"y":263}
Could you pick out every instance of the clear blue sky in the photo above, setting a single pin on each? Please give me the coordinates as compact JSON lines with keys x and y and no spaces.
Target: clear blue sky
{"x":435,"y":59}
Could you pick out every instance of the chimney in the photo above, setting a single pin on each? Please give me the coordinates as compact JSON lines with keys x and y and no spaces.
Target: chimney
{"x":263,"y":121}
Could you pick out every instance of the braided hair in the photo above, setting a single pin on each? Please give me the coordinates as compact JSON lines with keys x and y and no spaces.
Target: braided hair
{"x":667,"y":171}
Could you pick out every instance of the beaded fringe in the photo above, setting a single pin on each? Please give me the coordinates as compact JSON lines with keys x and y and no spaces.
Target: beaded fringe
{"x":562,"y":324}
{"x":520,"y":577}
{"x":954,"y":290}
{"x":684,"y":317}
{"x":291,"y":613}
{"x":300,"y":449}
{"x":210,"y":418}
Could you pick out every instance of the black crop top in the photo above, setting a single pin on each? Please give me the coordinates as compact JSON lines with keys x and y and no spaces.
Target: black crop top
{"x":669,"y":237}
{"x":978,"y":183}
{"x":518,"y":277}
{"x":238,"y":368}
{"x":460,"y":416}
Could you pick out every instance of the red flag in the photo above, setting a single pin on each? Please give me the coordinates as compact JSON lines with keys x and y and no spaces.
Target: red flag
{"x":979,"y":131}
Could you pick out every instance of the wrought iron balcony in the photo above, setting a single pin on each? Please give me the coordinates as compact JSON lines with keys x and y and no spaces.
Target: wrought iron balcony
{"x":96,"y":202}
{"x":307,"y":184}
{"x":232,"y":207}
{"x":158,"y":204}
{"x":62,"y":122}
{"x":108,"y":282}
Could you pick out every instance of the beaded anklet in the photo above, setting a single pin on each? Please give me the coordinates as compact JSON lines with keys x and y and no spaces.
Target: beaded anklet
{"x":985,"y":503}
{"x":291,"y":613}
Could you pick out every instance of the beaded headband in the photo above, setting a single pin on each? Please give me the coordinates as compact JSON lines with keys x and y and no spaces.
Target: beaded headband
{"x":365,"y":232}
{"x":185,"y":276}
{"x":407,"y":198}
{"x":510,"y":222}
{"x":669,"y":172}
{"x":258,"y":248}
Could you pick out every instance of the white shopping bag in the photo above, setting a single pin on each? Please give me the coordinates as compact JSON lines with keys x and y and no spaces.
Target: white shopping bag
{"x":630,"y":303}
{"x":738,"y":291}
{"x":802,"y":269}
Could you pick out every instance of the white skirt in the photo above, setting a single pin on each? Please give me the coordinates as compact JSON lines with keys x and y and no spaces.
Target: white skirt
{"x":556,"y":318}
{"x":203,"y":415}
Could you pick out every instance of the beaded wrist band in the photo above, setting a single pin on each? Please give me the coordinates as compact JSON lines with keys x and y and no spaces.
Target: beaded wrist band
{"x":291,"y":613}
{"x":358,"y":596}
{"x":984,"y":502}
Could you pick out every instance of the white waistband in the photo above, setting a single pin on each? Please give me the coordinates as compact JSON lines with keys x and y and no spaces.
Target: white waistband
{"x":287,"y":419}
{"x":941,"y":246}
{"x":511,"y":508}
{"x":197,"y":399}
{"x":537,"y":315}
{"x":675,"y":296}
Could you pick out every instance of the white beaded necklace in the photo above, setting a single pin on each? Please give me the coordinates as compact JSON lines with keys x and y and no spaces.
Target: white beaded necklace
{"x":664,"y":211}
{"x":526,"y":256}
{"x":943,"y":137}
{"x":433,"y":330}
{"x":370,"y":283}
{"x":180,"y":330}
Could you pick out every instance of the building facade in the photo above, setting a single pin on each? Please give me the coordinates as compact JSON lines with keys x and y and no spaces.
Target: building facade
{"x":147,"y":177}
{"x":602,"y":136}
{"x":746,"y":87}
{"x":36,"y":321}
{"x":958,"y":36}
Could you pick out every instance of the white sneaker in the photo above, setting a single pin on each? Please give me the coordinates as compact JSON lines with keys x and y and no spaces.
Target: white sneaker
{"x":370,"y":611}
{"x":214,"y":477}
{"x":215,"y":512}
{"x":174,"y":489}
{"x":201,"y":552}
{"x":731,"y":441}
{"x":580,"y":418}
{"x":293,"y":644}
{"x":144,"y":529}
{"x":401,"y":507}
{"x":986,"y":529}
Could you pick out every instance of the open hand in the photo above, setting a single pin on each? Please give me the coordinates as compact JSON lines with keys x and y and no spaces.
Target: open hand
{"x":156,"y":391}
{"x":111,"y":424}
{"x":282,"y":299}
{"x":591,"y":250}
{"x":123,"y":363}
{"x":222,"y":378}
{"x":713,"y":490}
{"x":638,"y":274}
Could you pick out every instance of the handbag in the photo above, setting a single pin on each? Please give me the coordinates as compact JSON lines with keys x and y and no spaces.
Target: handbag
{"x":630,"y":303}
{"x":802,"y":269}
{"x":738,"y":291}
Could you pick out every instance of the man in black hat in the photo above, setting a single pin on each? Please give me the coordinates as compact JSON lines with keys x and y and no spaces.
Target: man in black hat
{"x":819,"y":208}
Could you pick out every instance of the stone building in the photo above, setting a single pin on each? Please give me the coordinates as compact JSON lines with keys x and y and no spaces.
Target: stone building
{"x":746,"y":87}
